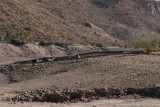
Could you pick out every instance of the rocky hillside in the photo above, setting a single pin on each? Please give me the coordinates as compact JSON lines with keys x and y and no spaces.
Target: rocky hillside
{"x":87,"y":22}
{"x":131,"y":19}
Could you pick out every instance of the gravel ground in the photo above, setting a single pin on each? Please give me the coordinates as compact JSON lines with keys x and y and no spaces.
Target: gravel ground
{"x":133,"y":71}
{"x":113,"y":71}
{"x":102,"y":103}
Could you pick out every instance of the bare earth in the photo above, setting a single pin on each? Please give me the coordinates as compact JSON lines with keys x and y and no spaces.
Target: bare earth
{"x":102,"y":103}
{"x":119,"y":71}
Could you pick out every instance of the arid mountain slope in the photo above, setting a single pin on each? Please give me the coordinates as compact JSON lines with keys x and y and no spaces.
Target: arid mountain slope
{"x":94,"y":22}
{"x":131,"y":19}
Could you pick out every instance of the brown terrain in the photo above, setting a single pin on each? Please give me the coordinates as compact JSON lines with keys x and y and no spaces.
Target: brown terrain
{"x":118,"y":76}
{"x":86,"y":22}
{"x":47,"y":65}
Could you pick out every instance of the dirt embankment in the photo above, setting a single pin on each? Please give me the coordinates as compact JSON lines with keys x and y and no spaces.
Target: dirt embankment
{"x":11,"y":53}
{"x":47,"y":95}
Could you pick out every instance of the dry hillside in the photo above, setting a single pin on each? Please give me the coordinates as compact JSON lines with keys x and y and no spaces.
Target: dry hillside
{"x":94,"y":22}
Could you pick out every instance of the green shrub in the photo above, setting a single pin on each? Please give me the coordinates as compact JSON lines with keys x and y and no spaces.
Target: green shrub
{"x":8,"y":37}
{"x":18,"y":41}
{"x":60,"y":44}
{"x":152,"y":43}
{"x":96,"y":43}
{"x":39,"y":0}
{"x":148,"y":50}
{"x":141,"y":44}
{"x":43,"y":43}
{"x":149,"y":45}
{"x":0,"y":37}
{"x":46,"y":42}
{"x":117,"y":43}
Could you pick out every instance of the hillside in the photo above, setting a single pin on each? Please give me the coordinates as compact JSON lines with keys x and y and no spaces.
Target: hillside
{"x":87,"y":22}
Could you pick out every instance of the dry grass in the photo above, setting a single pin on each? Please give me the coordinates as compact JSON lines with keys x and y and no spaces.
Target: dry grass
{"x":155,"y":53}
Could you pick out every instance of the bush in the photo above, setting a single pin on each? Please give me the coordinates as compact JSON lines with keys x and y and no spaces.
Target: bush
{"x":149,"y":45}
{"x":141,"y":44}
{"x":117,"y":43}
{"x":39,"y":0}
{"x":0,"y":37}
{"x":8,"y":37}
{"x":17,"y":38}
{"x":96,"y":43}
{"x":45,"y":42}
{"x":60,"y":44}
{"x":18,"y":41}
{"x":148,"y":50}
{"x":152,"y":43}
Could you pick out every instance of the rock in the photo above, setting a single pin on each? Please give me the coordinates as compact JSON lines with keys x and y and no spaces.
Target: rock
{"x":55,"y":98}
{"x":89,"y":93}
{"x":46,"y":95}
{"x":115,"y":92}
{"x":37,"y":98}
{"x":101,"y":92}
{"x":79,"y":94}
{"x":87,"y":24}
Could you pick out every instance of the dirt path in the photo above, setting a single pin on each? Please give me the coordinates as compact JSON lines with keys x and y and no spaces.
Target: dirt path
{"x":102,"y":103}
{"x":10,"y":52}
{"x":3,"y":79}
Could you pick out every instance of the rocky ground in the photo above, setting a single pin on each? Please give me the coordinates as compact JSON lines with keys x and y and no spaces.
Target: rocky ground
{"x":99,"y":103}
{"x":122,"y":76}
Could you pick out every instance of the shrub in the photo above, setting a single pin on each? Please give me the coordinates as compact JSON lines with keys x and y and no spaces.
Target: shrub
{"x":60,"y":44}
{"x":45,"y":42}
{"x":0,"y":37}
{"x":149,"y":45}
{"x":117,"y":43}
{"x":8,"y":37}
{"x":27,"y":28}
{"x":18,"y":41}
{"x":148,"y":50}
{"x":141,"y":44}
{"x":77,"y":44}
{"x":153,"y":43}
{"x":39,"y":0}
{"x":96,"y":43}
